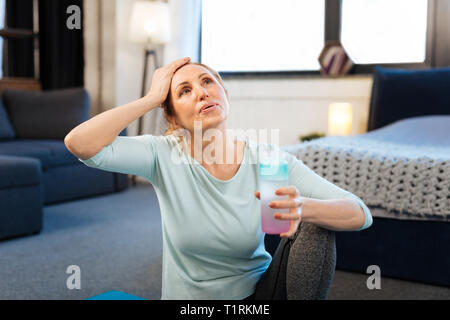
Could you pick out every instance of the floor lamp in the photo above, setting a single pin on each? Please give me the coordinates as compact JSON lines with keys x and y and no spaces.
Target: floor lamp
{"x":148,"y":53}
{"x":150,"y":24}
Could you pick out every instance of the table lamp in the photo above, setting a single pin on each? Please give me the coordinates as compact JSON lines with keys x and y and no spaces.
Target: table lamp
{"x":340,"y":119}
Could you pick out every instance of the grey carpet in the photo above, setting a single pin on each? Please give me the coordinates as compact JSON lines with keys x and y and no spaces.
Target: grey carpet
{"x":116,"y":241}
{"x":352,"y":286}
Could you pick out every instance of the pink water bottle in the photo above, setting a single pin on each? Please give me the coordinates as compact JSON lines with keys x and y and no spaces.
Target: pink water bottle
{"x":273,"y":176}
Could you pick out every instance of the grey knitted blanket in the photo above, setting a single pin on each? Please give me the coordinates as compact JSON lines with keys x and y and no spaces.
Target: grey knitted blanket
{"x":403,"y":167}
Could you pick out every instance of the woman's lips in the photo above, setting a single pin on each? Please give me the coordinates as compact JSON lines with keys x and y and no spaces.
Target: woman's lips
{"x":206,"y":110}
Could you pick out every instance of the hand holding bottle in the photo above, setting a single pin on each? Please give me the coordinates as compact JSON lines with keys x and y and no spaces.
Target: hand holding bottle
{"x":294,"y":205}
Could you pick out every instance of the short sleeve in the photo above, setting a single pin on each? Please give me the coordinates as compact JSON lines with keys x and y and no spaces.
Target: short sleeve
{"x":129,"y":155}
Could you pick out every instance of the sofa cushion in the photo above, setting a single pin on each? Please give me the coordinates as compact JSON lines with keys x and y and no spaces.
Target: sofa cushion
{"x":19,"y":172}
{"x":398,"y":94}
{"x":25,"y":148}
{"x":6,"y":129}
{"x":59,"y":155}
{"x":51,"y":153}
{"x":46,"y":114}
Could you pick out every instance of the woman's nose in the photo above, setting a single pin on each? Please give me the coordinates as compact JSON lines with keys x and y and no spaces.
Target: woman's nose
{"x":202,"y":93}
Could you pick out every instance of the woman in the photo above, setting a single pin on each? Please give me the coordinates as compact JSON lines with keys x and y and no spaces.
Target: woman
{"x":213,"y":246}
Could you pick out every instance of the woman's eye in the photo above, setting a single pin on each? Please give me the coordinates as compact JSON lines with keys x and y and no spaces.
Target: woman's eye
{"x":183,"y":91}
{"x":206,"y":80}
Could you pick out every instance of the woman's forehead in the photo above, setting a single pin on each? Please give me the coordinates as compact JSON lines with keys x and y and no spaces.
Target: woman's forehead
{"x":188,"y":73}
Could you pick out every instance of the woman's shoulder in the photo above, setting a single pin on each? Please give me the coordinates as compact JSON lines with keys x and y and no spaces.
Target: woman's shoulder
{"x":157,"y":145}
{"x":261,"y":150}
{"x":158,"y":140}
{"x":263,"y":147}
{"x":258,"y":150}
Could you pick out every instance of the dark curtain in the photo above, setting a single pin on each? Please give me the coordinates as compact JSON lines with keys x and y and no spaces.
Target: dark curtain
{"x":18,"y":58}
{"x":61,"y":49}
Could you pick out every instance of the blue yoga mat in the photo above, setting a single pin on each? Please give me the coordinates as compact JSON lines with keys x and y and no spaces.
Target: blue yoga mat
{"x":115,"y":295}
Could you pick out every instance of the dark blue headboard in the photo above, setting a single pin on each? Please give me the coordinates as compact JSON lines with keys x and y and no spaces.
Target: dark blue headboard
{"x":399,"y":94}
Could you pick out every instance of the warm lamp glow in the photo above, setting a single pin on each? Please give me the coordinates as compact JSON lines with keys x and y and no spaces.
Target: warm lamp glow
{"x":340,"y":119}
{"x":150,"y":20}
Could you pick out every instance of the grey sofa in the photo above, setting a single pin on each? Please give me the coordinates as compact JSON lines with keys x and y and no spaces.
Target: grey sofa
{"x":36,"y":169}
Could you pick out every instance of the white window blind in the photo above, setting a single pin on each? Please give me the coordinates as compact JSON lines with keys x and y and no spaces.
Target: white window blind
{"x":262,"y":35}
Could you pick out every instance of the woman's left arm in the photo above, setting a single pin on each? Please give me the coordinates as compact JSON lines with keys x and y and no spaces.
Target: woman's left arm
{"x":316,"y":200}
{"x":335,"y":214}
{"x":325,"y":204}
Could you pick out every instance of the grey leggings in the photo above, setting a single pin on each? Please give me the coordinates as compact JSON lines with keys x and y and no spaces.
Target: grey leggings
{"x":302,"y":267}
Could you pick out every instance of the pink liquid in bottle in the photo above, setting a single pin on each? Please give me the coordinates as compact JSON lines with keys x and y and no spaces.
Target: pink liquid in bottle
{"x":273,"y":177}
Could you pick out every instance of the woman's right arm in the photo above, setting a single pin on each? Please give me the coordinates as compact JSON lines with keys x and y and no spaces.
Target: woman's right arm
{"x":90,"y":137}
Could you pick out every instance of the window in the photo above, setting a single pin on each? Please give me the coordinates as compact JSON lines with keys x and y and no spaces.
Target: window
{"x":262,"y":35}
{"x":384,"y":31}
{"x":266,"y":37}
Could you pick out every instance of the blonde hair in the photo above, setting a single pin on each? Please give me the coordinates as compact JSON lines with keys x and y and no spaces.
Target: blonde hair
{"x":167,"y":105}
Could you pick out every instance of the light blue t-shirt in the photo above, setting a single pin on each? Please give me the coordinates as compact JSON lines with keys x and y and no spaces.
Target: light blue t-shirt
{"x":213,"y":245}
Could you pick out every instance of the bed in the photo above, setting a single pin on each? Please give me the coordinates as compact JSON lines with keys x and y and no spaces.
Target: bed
{"x":401,"y":169}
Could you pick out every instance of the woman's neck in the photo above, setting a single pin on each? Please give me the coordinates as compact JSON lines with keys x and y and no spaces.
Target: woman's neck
{"x":214,"y":147}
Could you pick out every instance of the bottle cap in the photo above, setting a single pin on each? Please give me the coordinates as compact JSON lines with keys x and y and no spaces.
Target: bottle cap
{"x":274,"y":172}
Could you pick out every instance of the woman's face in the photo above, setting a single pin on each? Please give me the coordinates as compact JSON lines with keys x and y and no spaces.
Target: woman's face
{"x":193,"y":90}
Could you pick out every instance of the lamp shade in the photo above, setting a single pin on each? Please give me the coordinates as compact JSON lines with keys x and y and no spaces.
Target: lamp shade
{"x":150,"y":21}
{"x":340,"y":119}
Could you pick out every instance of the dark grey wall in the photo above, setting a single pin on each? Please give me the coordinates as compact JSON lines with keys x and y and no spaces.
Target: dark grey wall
{"x":442,"y":33}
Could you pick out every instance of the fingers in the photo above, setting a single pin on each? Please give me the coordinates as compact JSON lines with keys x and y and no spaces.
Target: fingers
{"x":292,"y":229}
{"x":179,"y":63}
{"x":287,"y":191}
{"x":286,"y":204}
{"x":288,"y":234}
{"x":287,"y":216}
